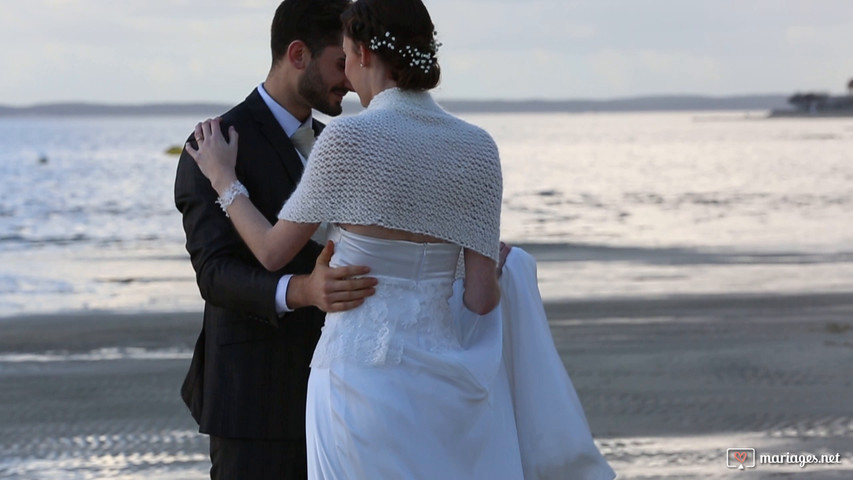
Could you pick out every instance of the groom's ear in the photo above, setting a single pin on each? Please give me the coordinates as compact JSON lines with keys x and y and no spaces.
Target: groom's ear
{"x":298,"y":54}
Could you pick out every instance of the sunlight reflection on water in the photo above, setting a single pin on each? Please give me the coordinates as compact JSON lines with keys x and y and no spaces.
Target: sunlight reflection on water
{"x":109,"y":237}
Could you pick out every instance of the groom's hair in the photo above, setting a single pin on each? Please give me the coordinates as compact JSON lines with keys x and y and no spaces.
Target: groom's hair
{"x":315,"y":22}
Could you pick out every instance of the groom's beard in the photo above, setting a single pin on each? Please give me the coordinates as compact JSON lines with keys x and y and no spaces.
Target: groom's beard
{"x":316,"y":92}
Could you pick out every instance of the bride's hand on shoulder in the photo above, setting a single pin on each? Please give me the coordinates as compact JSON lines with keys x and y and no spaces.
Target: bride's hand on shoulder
{"x":215,"y":156}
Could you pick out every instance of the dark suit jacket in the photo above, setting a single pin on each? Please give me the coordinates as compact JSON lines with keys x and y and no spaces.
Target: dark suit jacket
{"x":249,"y":372}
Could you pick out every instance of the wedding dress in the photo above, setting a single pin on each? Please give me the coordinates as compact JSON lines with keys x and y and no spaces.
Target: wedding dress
{"x":412,"y":385}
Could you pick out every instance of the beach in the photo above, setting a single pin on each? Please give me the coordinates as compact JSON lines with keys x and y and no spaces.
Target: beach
{"x":668,"y":386}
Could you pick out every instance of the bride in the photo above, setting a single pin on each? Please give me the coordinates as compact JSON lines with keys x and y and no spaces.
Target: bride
{"x":416,"y":383}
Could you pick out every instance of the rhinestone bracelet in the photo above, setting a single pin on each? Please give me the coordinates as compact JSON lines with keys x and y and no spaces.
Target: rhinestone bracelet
{"x":227,"y":198}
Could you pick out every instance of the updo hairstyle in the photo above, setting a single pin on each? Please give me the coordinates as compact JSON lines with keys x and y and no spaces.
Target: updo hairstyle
{"x":401,"y":33}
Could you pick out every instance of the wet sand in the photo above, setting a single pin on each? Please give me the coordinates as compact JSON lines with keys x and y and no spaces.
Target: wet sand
{"x":668,"y":385}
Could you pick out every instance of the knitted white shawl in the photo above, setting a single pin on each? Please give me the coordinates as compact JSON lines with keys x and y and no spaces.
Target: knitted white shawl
{"x":405,"y":163}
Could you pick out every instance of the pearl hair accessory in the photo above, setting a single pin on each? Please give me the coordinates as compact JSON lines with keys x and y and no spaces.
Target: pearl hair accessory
{"x":233,"y":191}
{"x":417,"y":58}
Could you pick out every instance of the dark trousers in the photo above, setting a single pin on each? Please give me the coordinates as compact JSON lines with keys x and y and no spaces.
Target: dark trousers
{"x":238,"y":459}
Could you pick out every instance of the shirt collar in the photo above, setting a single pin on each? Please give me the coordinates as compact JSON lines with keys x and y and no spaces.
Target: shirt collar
{"x":288,"y":122}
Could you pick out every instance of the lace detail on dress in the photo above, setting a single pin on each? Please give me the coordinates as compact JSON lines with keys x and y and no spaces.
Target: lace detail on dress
{"x":402,"y":314}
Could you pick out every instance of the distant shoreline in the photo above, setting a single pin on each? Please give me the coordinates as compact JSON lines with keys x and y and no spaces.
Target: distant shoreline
{"x":634,"y":104}
{"x":801,"y":114}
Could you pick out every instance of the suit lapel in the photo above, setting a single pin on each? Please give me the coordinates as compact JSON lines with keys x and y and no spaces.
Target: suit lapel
{"x":317,"y":126}
{"x":279,"y":142}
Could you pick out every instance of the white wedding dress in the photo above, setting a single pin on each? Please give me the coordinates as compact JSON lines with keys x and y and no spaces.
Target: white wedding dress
{"x":412,"y":385}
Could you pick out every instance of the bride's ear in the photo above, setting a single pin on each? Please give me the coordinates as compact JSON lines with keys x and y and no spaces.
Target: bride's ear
{"x":298,"y":54}
{"x":365,"y":55}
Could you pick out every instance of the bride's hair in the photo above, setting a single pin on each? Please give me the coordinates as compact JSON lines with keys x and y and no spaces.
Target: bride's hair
{"x":402,"y":34}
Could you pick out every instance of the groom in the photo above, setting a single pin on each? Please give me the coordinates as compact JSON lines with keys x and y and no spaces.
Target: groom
{"x":248,"y":377}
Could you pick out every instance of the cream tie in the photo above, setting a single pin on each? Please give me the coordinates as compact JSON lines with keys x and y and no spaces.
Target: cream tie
{"x":303,"y":140}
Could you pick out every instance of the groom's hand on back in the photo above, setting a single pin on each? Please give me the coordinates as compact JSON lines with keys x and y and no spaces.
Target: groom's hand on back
{"x":504,"y":251}
{"x":331,"y":289}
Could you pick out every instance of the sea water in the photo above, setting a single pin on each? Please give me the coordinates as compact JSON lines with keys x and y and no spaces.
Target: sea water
{"x":611,"y":205}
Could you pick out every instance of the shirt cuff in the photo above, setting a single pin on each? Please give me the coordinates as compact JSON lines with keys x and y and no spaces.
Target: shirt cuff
{"x":281,"y":295}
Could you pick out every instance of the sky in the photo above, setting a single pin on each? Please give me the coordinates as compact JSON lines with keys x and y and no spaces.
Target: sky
{"x":153,"y":51}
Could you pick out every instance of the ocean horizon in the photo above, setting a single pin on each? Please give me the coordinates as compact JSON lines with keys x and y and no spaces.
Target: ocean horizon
{"x":672,"y":102}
